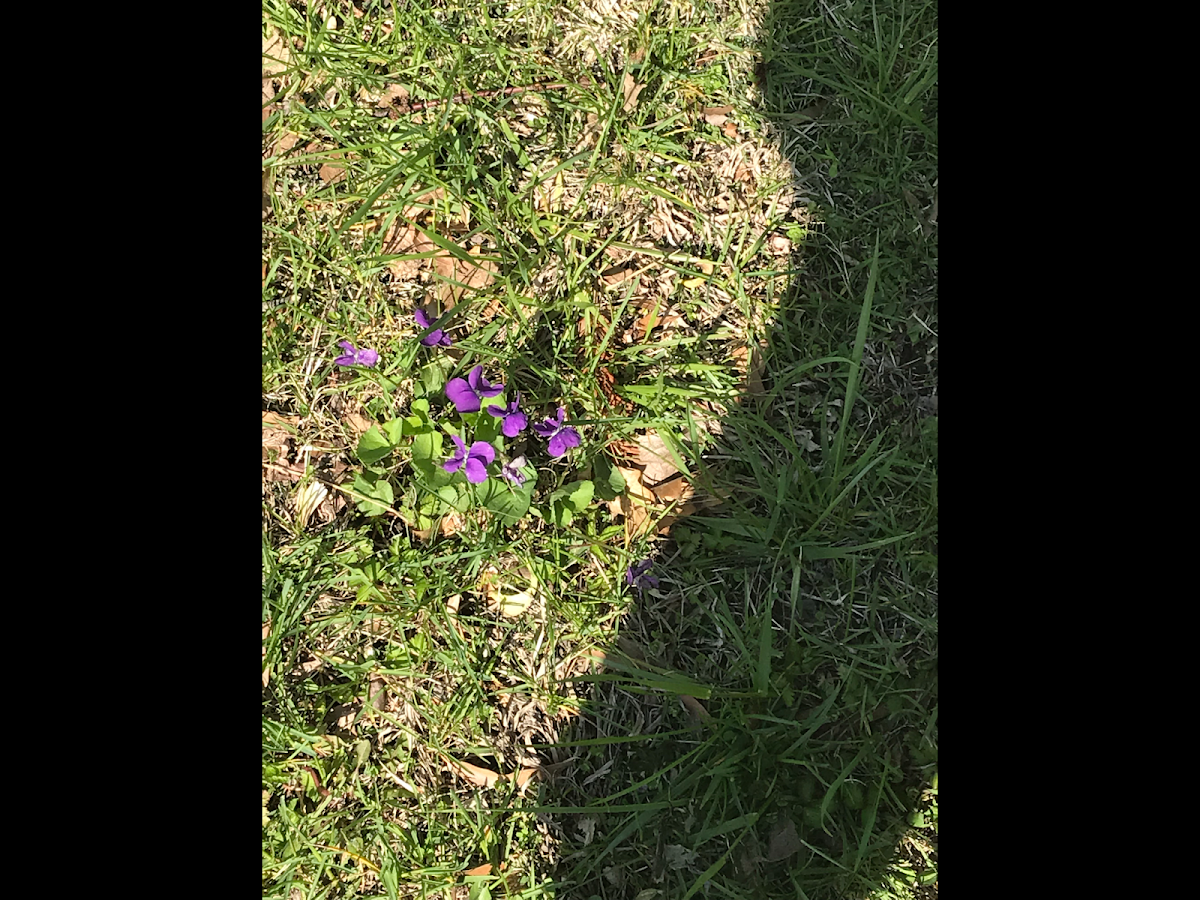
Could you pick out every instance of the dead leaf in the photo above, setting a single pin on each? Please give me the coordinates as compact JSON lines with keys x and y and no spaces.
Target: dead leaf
{"x":266,"y":673}
{"x":525,"y":776}
{"x":473,"y":774}
{"x":695,"y":708}
{"x":461,"y":276}
{"x":451,"y":523}
{"x":485,"y":869}
{"x":750,"y":364}
{"x":674,"y":490}
{"x":377,"y":692}
{"x":502,"y":595}
{"x":393,"y":96}
{"x":330,"y":173}
{"x":730,"y":130}
{"x":344,"y":715}
{"x":276,"y":55}
{"x":358,"y":424}
{"x":632,"y":89}
{"x":716,"y":115}
{"x":403,"y":239}
{"x":654,"y":455}
{"x":784,"y":840}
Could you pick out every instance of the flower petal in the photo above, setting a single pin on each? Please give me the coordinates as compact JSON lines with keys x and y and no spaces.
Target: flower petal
{"x":474,"y":377}
{"x":483,"y":450}
{"x":422,"y":319}
{"x":462,"y":447}
{"x":545,"y":429}
{"x":344,"y":361}
{"x":460,"y":394}
{"x":476,"y":471}
{"x":570,"y":437}
{"x":452,"y":465}
{"x":514,"y":424}
{"x":497,"y":411}
{"x":368,"y":358}
{"x":557,"y":445}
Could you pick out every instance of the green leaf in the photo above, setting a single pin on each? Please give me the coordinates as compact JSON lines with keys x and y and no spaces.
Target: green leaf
{"x":433,"y":376}
{"x":576,"y":495}
{"x":427,"y":446}
{"x":394,"y":431}
{"x":610,"y":483}
{"x":376,"y":491}
{"x":569,"y":500}
{"x":372,"y":447}
{"x":506,"y":501}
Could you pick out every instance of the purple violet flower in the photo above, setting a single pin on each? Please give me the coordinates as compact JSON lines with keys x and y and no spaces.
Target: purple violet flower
{"x":352,"y":357}
{"x":562,"y":437}
{"x":466,"y":395}
{"x":514,"y":420}
{"x":638,"y":576}
{"x":437,"y":336}
{"x":475,"y":461}
{"x":512,"y":471}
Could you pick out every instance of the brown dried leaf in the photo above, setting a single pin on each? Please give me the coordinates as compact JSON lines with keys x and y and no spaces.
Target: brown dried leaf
{"x":377,"y":692}
{"x":276,"y":54}
{"x":631,"y":89}
{"x":654,"y":455}
{"x":616,"y":274}
{"x":403,"y":239}
{"x":423,"y":204}
{"x":591,"y":131}
{"x":266,"y":673}
{"x":730,"y":130}
{"x":473,"y":774}
{"x":524,"y":777}
{"x":358,"y":424}
{"x":677,"y":489}
{"x":750,"y":364}
{"x":330,"y":173}
{"x":452,"y":523}
{"x":393,"y":95}
{"x":716,"y":115}
{"x":460,"y":276}
{"x":485,"y":869}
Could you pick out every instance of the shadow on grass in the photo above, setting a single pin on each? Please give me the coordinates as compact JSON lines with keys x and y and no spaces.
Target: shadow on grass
{"x":767,"y":726}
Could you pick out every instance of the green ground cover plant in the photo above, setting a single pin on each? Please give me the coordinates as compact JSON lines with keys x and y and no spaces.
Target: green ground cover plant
{"x":599,"y":449}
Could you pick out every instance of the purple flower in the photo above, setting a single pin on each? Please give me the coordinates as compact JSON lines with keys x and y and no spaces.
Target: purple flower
{"x":352,"y":357}
{"x":514,"y":421}
{"x":437,"y":336}
{"x":638,"y":576}
{"x":562,"y":437}
{"x":512,"y":471}
{"x":467,"y":395}
{"x":476,"y":460}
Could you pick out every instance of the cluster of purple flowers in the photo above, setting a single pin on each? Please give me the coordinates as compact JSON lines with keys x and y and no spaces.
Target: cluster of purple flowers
{"x":467,"y":395}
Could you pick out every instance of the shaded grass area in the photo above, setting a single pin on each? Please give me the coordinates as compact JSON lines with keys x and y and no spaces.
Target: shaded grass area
{"x":799,"y":619}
